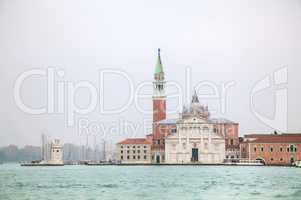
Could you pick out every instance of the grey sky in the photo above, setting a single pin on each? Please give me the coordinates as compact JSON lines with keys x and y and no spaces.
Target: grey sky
{"x":220,"y":41}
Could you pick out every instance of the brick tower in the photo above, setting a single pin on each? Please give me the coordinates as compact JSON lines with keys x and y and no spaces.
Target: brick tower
{"x":159,"y":98}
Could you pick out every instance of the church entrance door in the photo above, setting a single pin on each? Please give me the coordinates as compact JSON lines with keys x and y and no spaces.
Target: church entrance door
{"x":195,"y":155}
{"x":157,"y":159}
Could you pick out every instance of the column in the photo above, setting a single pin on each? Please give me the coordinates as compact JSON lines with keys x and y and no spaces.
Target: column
{"x":209,"y":143}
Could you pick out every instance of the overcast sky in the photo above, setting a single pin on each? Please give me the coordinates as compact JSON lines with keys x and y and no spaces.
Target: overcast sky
{"x":235,"y":42}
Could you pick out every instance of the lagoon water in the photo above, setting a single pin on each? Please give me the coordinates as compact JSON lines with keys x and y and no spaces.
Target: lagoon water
{"x":148,"y":182}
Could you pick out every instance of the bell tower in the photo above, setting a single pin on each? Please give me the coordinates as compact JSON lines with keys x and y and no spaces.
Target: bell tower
{"x":159,"y":98}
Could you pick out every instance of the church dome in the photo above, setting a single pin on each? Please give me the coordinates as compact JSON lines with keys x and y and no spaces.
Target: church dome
{"x":195,"y":109}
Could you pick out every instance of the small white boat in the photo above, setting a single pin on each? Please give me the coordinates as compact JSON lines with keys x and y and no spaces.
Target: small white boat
{"x":243,"y":162}
{"x":298,"y":163}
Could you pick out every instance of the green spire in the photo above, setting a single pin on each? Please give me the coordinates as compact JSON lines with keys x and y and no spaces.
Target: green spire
{"x":159,"y":67}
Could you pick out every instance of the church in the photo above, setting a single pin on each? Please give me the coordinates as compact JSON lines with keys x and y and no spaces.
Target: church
{"x":193,"y":138}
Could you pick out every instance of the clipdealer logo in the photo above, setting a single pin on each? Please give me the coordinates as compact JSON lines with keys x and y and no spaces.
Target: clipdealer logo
{"x":62,"y":94}
{"x":278,"y":81}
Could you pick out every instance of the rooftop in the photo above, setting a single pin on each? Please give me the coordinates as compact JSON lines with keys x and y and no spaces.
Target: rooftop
{"x":211,"y":120}
{"x":274,"y":138}
{"x":135,"y":141}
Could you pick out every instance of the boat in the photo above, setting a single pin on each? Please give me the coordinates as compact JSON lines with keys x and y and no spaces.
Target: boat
{"x":38,"y":163}
{"x":250,"y":163}
{"x":95,"y":163}
{"x":243,"y":162}
{"x":298,"y":163}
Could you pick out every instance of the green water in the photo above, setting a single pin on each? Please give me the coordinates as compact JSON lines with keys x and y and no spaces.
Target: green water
{"x":149,"y":182}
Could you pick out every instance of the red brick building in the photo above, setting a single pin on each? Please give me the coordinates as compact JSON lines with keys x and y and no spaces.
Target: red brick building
{"x":160,"y":131}
{"x":229,"y":130}
{"x":271,"y":149}
{"x":159,"y":98}
{"x":159,"y":113}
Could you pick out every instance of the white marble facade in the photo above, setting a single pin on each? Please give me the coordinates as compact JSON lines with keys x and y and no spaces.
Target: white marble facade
{"x":194,"y":140}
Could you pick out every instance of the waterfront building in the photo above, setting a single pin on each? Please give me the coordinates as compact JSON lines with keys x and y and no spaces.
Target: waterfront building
{"x":272,"y":149}
{"x":208,"y":140}
{"x":161,"y":130}
{"x":195,"y":139}
{"x":229,"y":130}
{"x":134,"y":151}
{"x":56,"y":154}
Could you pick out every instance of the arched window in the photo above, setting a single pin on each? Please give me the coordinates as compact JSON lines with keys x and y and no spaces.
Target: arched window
{"x":292,"y":148}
